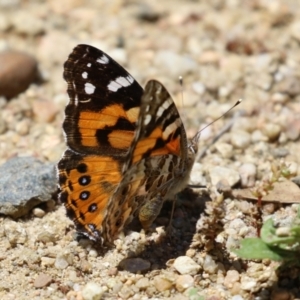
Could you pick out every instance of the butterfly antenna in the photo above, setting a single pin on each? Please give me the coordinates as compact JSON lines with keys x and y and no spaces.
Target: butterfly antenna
{"x":197,"y":136}
{"x":180,"y":79}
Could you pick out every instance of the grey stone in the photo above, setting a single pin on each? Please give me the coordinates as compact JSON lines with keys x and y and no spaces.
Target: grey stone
{"x":24,"y":183}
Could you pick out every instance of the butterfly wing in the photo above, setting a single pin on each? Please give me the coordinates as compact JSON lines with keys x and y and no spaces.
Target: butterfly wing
{"x":99,"y":126}
{"x":157,"y":164}
{"x":104,"y":103}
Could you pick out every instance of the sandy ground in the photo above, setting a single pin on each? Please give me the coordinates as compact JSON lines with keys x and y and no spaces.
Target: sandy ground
{"x":225,"y":50}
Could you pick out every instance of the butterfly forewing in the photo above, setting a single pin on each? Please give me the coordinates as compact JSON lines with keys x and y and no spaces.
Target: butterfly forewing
{"x":104,"y":103}
{"x":99,"y":126}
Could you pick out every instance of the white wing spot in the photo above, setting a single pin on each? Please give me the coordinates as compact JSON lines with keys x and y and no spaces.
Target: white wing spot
{"x":123,"y":81}
{"x":160,"y":111}
{"x":85,"y":101}
{"x":164,"y":107}
{"x":103,"y":60}
{"x":171,"y":128}
{"x":89,"y":88}
{"x":167,"y":104}
{"x":113,"y":86}
{"x":130,"y":79}
{"x":147,"y":119}
{"x":84,"y":75}
{"x":76,"y":100}
{"x":119,"y":82}
{"x":89,"y":65}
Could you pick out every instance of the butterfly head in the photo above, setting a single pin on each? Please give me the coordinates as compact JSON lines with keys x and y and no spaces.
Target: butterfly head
{"x":193,"y":143}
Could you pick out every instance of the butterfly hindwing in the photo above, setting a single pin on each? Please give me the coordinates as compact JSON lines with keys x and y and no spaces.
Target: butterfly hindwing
{"x":159,"y":129}
{"x":158,"y":150}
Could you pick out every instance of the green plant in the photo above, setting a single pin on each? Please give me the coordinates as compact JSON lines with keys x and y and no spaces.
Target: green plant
{"x":278,"y":244}
{"x":194,"y":295}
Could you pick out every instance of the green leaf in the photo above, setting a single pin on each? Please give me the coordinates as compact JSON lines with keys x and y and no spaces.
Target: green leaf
{"x":255,"y":248}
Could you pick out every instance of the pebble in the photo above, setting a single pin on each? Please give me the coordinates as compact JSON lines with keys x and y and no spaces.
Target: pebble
{"x":42,"y":280}
{"x":46,"y":237}
{"x":18,"y":71}
{"x":63,"y":260}
{"x":280,"y":98}
{"x":237,"y":297}
{"x":280,"y":152}
{"x":51,"y":205}
{"x":247,"y":173}
{"x":296,"y":180}
{"x":196,"y":176}
{"x":93,"y":253}
{"x":173,"y":64}
{"x":3,"y":126}
{"x":15,"y":232}
{"x":147,"y":13}
{"x":209,"y":265}
{"x":225,"y":149}
{"x":92,"y":291}
{"x":113,"y":271}
{"x":295,"y":30}
{"x":232,"y":276}
{"x":289,"y":85}
{"x":142,"y":283}
{"x":184,"y":282}
{"x":186,"y":265}
{"x":218,"y":174}
{"x":247,"y":284}
{"x":26,"y":23}
{"x":271,"y":131}
{"x":87,"y":267}
{"x":38,"y":212}
{"x":126,"y":292}
{"x":240,"y":139}
{"x":293,"y":130}
{"x":44,"y":110}
{"x":47,"y":261}
{"x":198,"y":87}
{"x":135,"y":265}
{"x":117,"y":286}
{"x":258,"y":136}
{"x":31,"y":182}
{"x":162,"y":284}
{"x":22,"y":127}
{"x":193,"y":31}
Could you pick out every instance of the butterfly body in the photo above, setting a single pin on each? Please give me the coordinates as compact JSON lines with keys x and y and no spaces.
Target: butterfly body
{"x":127,"y":147}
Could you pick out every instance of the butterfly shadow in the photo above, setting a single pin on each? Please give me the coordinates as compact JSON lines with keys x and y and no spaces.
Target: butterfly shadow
{"x":161,"y":245}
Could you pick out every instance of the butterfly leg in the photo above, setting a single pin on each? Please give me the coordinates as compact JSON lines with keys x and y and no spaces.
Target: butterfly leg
{"x":149,"y":211}
{"x":170,"y":227}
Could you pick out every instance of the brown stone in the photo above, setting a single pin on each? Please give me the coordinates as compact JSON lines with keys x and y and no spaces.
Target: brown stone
{"x":17,"y":71}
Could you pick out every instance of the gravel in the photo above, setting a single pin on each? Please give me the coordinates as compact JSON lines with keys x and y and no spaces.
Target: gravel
{"x":225,"y":51}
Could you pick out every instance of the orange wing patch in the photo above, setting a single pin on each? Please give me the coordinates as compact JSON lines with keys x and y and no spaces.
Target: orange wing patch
{"x":149,"y":144}
{"x":88,"y":185}
{"x":89,"y":123}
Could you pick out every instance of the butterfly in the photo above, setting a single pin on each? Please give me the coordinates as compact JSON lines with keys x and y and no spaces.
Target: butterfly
{"x":127,"y":152}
